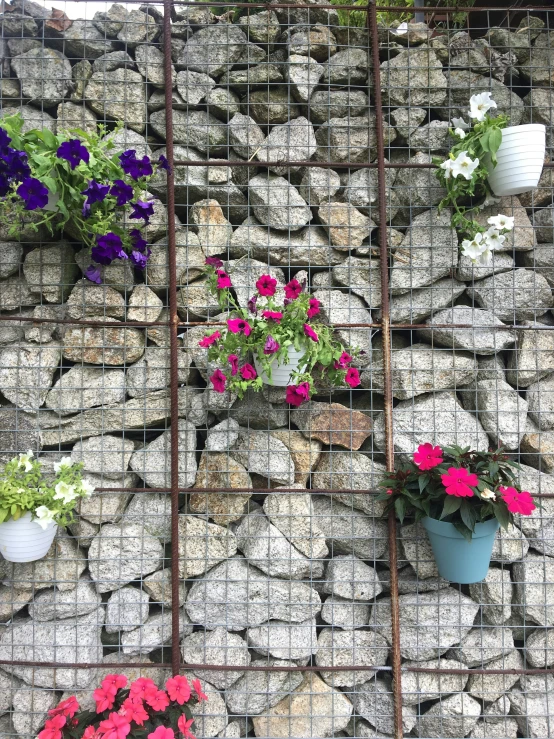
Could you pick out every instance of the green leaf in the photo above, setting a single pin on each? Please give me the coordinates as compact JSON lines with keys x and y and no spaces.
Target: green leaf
{"x":503,"y":515}
{"x":49,"y":139}
{"x":495,"y":139}
{"x":464,"y":531}
{"x":451,"y":505}
{"x":484,"y":141}
{"x":467,"y":512}
{"x":50,"y":183}
{"x":400,"y":508}
{"x":423,"y":481}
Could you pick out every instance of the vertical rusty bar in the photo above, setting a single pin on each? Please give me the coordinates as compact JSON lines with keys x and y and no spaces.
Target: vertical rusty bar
{"x":173,"y":356}
{"x":387,"y":389}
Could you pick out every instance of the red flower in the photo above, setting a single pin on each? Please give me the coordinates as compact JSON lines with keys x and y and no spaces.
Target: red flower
{"x":115,"y":727}
{"x":104,"y":699}
{"x":198,"y":690}
{"x":184,"y":726}
{"x":234,"y":362}
{"x":238,"y":326}
{"x":178,"y":688}
{"x":308,"y":331}
{"x":298,"y":394}
{"x":161,"y":733}
{"x":90,"y":733}
{"x":209,"y":340}
{"x":457,"y":482}
{"x":272,"y":315}
{"x":219,"y":381}
{"x":247,"y":372}
{"x":142,"y":687}
{"x":428,"y":456}
{"x":134,"y":711}
{"x":266,"y":285}
{"x":352,"y":377}
{"x":52,"y":728}
{"x":223,"y":280}
{"x":293,"y":289}
{"x":313,"y":310}
{"x":517,"y":501}
{"x":214,"y":262}
{"x":112,"y":683}
{"x":68,"y":707}
{"x":343,"y":361}
{"x":158,"y":700}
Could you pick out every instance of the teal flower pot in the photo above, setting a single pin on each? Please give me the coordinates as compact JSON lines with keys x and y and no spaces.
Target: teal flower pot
{"x":459,"y":560}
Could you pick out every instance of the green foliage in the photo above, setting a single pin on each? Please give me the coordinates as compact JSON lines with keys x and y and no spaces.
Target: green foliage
{"x":25,"y":488}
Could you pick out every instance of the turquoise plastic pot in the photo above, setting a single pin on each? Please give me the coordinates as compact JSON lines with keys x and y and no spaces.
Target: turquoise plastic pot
{"x":459,"y":560}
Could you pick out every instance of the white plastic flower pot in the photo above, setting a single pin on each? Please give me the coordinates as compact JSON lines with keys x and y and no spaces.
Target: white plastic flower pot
{"x":24,"y":540}
{"x":520,"y":160}
{"x":281,"y":373}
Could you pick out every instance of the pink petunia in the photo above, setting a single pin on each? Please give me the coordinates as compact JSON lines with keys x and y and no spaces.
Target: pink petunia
{"x":115,"y":727}
{"x":134,"y":710}
{"x":52,"y":728}
{"x":162,"y":733}
{"x":104,"y":700}
{"x":214,"y":262}
{"x":457,"y":482}
{"x":308,"y":331}
{"x":113,"y":683}
{"x":178,"y":688}
{"x":158,"y":700}
{"x":293,"y":289}
{"x":266,"y":285}
{"x":271,"y":346}
{"x":141,"y":687}
{"x":68,"y":707}
{"x":517,"y":501}
{"x":313,"y":310}
{"x":298,"y":394}
{"x":428,"y":456}
{"x":234,"y":362}
{"x":272,"y":315}
{"x":184,"y":727}
{"x":197,"y":685}
{"x":219,"y":381}
{"x":239,"y":326}
{"x":352,"y":377}
{"x":247,"y":372}
{"x":223,"y":280}
{"x":209,"y":340}
{"x":343,"y":361}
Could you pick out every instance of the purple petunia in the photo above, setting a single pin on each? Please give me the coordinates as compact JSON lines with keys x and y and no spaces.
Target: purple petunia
{"x":142,"y":209}
{"x":108,"y":248}
{"x":252,"y":305}
{"x":74,"y":152}
{"x":33,"y":192}
{"x":94,"y":274}
{"x":139,"y":259}
{"x":163,"y":163}
{"x":135,"y":168}
{"x":271,"y":346}
{"x":122,"y":192}
{"x":95,"y":193}
{"x":14,"y":164}
{"x":5,"y":139}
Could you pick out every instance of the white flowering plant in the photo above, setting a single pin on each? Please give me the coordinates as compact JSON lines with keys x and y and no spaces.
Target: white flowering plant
{"x":24,"y":487}
{"x":465,"y":174}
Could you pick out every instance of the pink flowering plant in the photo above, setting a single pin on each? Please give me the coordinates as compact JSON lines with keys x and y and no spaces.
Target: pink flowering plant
{"x":459,"y":486}
{"x":266,"y":331}
{"x":139,"y":710}
{"x":78,"y":180}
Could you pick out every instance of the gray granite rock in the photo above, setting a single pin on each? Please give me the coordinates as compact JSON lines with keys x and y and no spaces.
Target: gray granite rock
{"x":126,"y":609}
{"x":500,"y":262}
{"x":373,"y":701}
{"x":318,"y":185}
{"x":83,"y":387}
{"x":44,"y":75}
{"x":202,"y":545}
{"x":541,"y":402}
{"x":493,"y":687}
{"x":264,"y":455}
{"x":213,"y":49}
{"x":303,"y":74}
{"x":452,"y":717}
{"x":51,"y":271}
{"x":533,"y":579}
{"x":27,"y":372}
{"x":325,"y":104}
{"x":532,"y":359}
{"x":104,"y":455}
{"x":11,"y":254}
{"x":349,"y":531}
{"x":460,"y":81}
{"x":121,"y":96}
{"x":295,"y":517}
{"x":539,"y":647}
{"x":291,"y":142}
{"x":484,"y":339}
{"x":256,"y":692}
{"x":54,"y":604}
{"x":138,"y":28}
{"x":347,"y":227}
{"x":349,"y":647}
{"x":285,"y":641}
{"x":31,"y":706}
{"x":342,"y":613}
{"x":531,"y":705}
{"x":151,"y":462}
{"x":350,"y":139}
{"x":349,"y":66}
{"x":217,"y":647}
{"x":152,"y":371}
{"x":350,"y":578}
{"x":500,"y":409}
{"x":418,"y":687}
{"x":495,"y":593}
{"x":245,"y":136}
{"x":513,"y":296}
{"x":277,"y":204}
{"x":154,"y":633}
{"x":343,"y":308}
{"x":103,"y":345}
{"x":414,"y":76}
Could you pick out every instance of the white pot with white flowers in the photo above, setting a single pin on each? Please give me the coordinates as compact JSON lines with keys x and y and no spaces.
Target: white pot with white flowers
{"x":488,"y":159}
{"x":33,"y":503}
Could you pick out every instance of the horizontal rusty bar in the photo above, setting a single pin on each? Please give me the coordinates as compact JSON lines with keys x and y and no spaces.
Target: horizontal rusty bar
{"x":308,"y":163}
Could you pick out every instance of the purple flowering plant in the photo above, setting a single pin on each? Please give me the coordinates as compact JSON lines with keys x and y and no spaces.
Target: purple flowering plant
{"x":79,"y":181}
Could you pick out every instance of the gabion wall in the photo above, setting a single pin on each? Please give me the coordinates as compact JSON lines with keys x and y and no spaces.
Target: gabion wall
{"x":286,"y":126}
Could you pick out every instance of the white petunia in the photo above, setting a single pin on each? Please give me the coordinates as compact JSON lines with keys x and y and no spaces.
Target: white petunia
{"x":480,"y":104}
{"x":494,"y":238}
{"x":473,"y":249}
{"x":485,"y":258}
{"x":64,"y":462}
{"x":87,"y":488}
{"x":65,"y":492}
{"x":44,"y":516}
{"x":401,"y":30}
{"x":488,"y":494}
{"x":460,"y":123}
{"x":460,"y":133}
{"x":25,"y":460}
{"x":464,"y":165}
{"x":502,"y":223}
{"x":447,"y":166}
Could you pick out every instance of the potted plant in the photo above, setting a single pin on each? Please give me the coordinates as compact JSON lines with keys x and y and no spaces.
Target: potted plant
{"x":140,"y":711}
{"x":461,"y":498}
{"x":286,"y":345}
{"x":488,"y":156}
{"x":33,"y":505}
{"x":75,"y":179}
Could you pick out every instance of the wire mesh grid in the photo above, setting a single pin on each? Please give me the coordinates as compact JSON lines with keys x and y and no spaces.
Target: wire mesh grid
{"x":239,"y":541}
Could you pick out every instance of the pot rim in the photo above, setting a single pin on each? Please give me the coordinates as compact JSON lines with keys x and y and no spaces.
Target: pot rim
{"x":447,"y":529}
{"x":513,"y":130}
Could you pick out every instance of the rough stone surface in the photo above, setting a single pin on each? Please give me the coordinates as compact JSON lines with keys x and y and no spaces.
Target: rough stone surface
{"x":513,"y":296}
{"x":44,"y":74}
{"x":277,"y":204}
{"x":151,"y":462}
{"x":217,"y":647}
{"x":337,"y":648}
{"x":202,"y":545}
{"x":483,"y":340}
{"x":26,"y":373}
{"x":283,"y":640}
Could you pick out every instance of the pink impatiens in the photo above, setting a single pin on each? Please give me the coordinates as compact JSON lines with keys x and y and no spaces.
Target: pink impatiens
{"x":428,"y":456}
{"x":517,"y":501}
{"x":457,"y":482}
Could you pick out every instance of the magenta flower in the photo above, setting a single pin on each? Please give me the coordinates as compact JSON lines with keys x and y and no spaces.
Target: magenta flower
{"x":352,"y":377}
{"x":428,"y":456}
{"x":74,"y":152}
{"x":223,"y":280}
{"x":247,"y":372}
{"x":234,"y":362}
{"x":343,"y":361}
{"x":271,"y":346}
{"x":272,"y":315}
{"x":308,"y":330}
{"x":293,"y":289}
{"x":239,"y":326}
{"x":313,"y":310}
{"x":517,"y":501}
{"x":266,"y":285}
{"x":219,"y":381}
{"x":298,"y":394}
{"x":209,"y":340}
{"x":252,"y":305}
{"x":457,"y":482}
{"x":214,"y":262}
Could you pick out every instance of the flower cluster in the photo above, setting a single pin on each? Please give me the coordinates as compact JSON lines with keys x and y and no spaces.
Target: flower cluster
{"x":457,"y":485}
{"x":465,"y":173}
{"x":25,"y":487}
{"x":140,"y":710}
{"x":267,"y":330}
{"x":82,"y":185}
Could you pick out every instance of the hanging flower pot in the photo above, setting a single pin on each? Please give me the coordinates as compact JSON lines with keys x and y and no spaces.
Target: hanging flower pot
{"x":520,"y":160}
{"x":25,"y":540}
{"x":459,"y":560}
{"x":280,"y":373}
